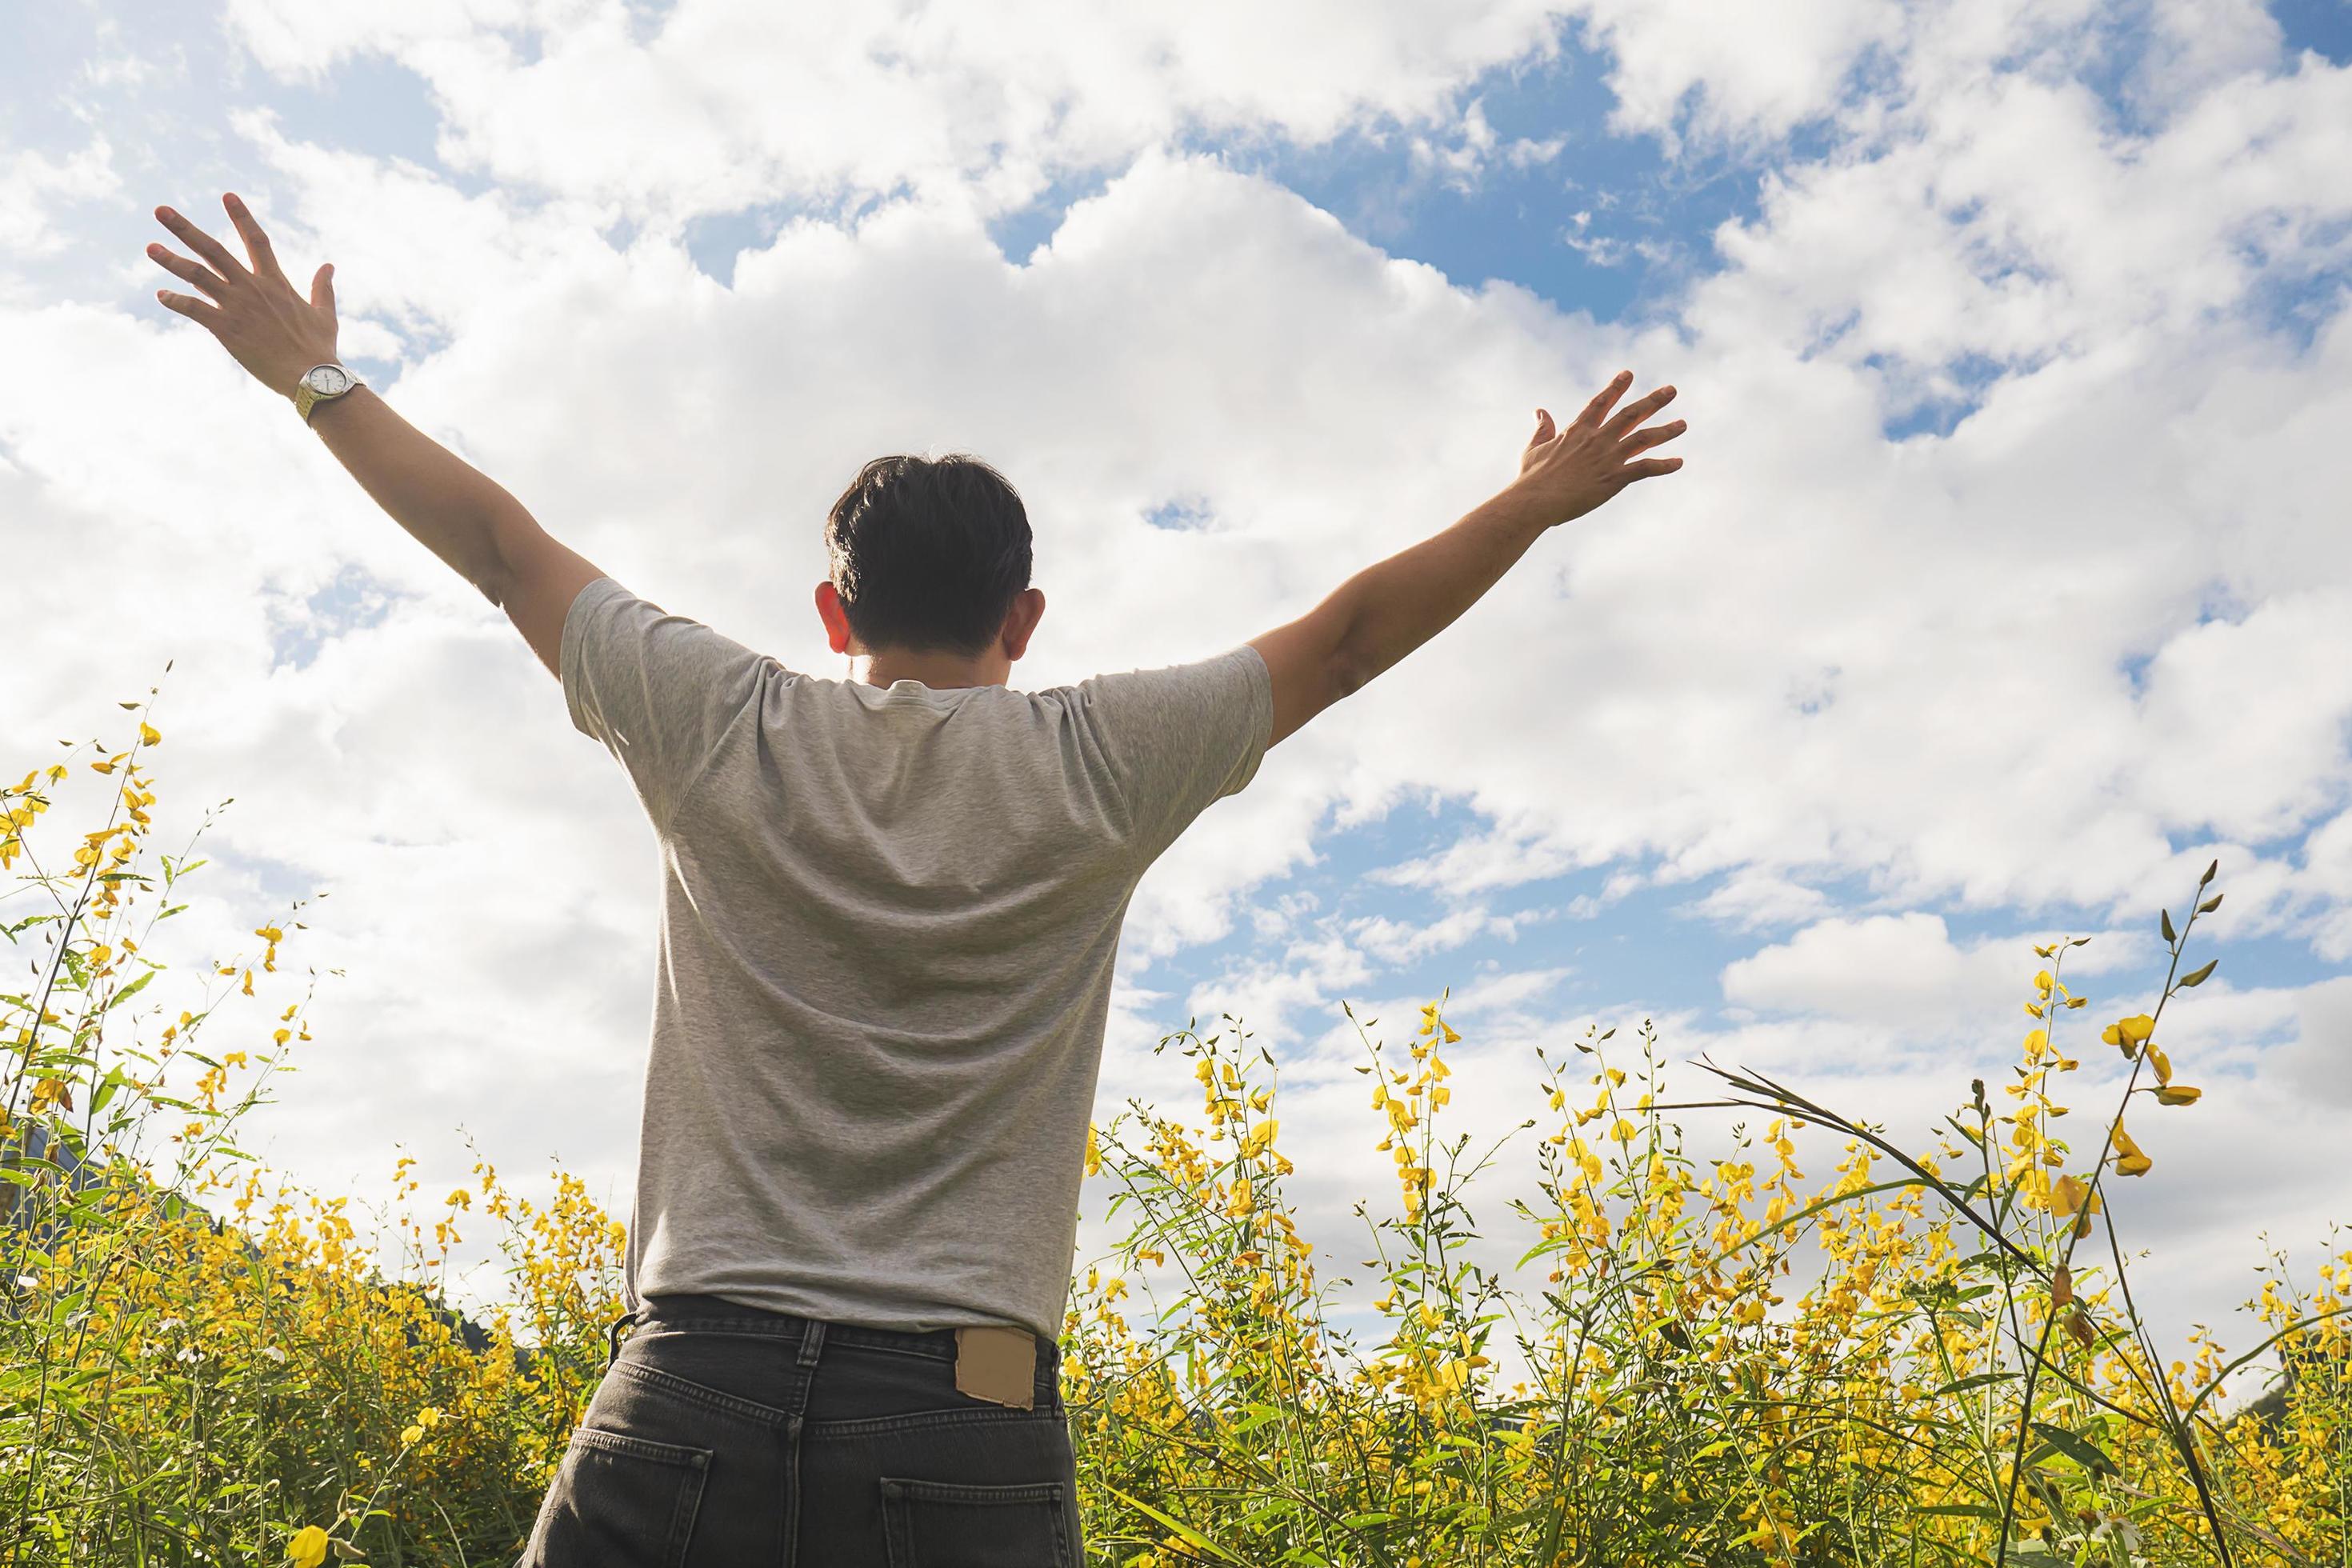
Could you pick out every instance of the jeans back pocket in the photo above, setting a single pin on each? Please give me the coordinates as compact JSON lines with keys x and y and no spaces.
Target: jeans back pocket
{"x":620,"y":1503}
{"x":946,"y":1525}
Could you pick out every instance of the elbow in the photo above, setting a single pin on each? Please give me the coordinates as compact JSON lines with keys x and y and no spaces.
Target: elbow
{"x":494,"y":582}
{"x":1345,"y":674}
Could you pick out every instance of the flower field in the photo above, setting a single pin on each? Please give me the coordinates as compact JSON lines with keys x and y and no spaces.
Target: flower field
{"x":1914,"y":1355}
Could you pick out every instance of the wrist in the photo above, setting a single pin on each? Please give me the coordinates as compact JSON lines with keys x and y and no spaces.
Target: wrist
{"x":1519,"y":508}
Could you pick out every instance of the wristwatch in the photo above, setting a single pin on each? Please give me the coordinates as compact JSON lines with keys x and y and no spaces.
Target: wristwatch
{"x":322,"y":383}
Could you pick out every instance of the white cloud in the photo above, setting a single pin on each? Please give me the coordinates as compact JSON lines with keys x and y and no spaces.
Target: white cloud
{"x":717,"y":104}
{"x":1904,"y":973}
{"x":2320,"y":1061}
{"x":1403,"y":941}
{"x":33,"y":185}
{"x":1725,"y":71}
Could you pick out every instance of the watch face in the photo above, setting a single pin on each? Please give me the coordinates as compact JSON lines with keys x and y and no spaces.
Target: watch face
{"x":329,"y":380}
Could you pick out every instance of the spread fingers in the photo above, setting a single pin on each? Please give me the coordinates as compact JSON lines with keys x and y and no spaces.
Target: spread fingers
{"x":188,"y":305}
{"x":179,"y":265}
{"x":1643,"y":441}
{"x":213,"y":251}
{"x":257,"y":243}
{"x":1641,"y":409}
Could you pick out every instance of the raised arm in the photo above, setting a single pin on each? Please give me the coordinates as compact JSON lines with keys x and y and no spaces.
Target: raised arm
{"x":1390,"y":608}
{"x":453,"y":509}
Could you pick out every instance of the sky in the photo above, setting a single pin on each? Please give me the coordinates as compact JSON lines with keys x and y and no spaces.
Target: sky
{"x":2007,"y":583}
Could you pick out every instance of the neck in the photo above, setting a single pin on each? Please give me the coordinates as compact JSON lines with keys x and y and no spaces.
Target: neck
{"x":936,"y":668}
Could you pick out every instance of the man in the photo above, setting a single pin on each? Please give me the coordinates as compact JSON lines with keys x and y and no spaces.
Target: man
{"x":890,"y":907}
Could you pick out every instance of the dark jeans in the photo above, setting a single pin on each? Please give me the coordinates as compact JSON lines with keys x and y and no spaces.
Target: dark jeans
{"x":723,"y":1437}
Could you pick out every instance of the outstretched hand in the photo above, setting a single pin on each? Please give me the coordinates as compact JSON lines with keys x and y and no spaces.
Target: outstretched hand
{"x":1566,"y":472}
{"x":256,"y":313}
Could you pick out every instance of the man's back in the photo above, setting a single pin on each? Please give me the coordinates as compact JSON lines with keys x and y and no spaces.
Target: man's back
{"x":888,"y":921}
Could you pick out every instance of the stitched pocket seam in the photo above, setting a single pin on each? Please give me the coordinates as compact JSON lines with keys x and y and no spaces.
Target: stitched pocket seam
{"x":695,"y":1393}
{"x":924,"y":1420}
{"x":642,"y":1447}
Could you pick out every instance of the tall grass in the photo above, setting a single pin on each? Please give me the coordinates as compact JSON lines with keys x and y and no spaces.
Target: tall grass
{"x":1927,"y":1355}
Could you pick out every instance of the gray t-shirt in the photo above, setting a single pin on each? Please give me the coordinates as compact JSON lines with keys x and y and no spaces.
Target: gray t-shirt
{"x":888,"y":919}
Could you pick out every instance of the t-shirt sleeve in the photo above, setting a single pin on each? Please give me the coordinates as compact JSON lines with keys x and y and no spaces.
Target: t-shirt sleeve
{"x":1178,"y":739}
{"x":659,"y":689}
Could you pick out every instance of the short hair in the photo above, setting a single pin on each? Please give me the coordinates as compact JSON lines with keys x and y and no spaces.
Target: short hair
{"x":928,"y":552}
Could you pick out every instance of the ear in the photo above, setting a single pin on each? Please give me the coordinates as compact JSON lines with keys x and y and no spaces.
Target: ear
{"x":835,"y":619}
{"x":1021,"y":620}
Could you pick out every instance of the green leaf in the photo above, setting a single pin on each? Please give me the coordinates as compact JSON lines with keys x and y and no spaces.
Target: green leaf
{"x":2077,"y":1448}
{"x":2209,"y":873}
{"x":2196,"y":976}
{"x":2210,"y":905}
{"x":1256,"y":1418}
{"x":2164,"y":924}
{"x":1962,"y":1510}
{"x":1184,"y":1531}
{"x":1981,"y":1380}
{"x":128,"y":992}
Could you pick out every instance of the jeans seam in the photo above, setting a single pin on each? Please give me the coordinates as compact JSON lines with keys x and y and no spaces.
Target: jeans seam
{"x":980,"y":1494}
{"x":684,"y":1456}
{"x":696,"y":1393}
{"x":922,"y":1420}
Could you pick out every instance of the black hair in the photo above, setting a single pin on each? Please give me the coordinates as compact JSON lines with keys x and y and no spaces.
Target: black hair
{"x":928,"y":552}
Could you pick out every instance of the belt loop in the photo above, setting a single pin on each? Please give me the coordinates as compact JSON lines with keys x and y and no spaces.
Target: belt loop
{"x":812,"y":1341}
{"x":612,"y":1334}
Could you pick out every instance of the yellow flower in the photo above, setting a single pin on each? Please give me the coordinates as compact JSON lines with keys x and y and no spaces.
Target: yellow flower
{"x":149,"y":735}
{"x":430,"y":1417}
{"x":2179,"y":1094}
{"x":2128,"y":1035}
{"x":411,"y":1435}
{"x":309,"y":1547}
{"x":2067,"y":1195}
{"x":2130,"y":1159}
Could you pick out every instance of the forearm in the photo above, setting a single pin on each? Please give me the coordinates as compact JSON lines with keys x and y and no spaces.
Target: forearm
{"x":1393,"y":606}
{"x":452,"y":507}
{"x":276,"y":335}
